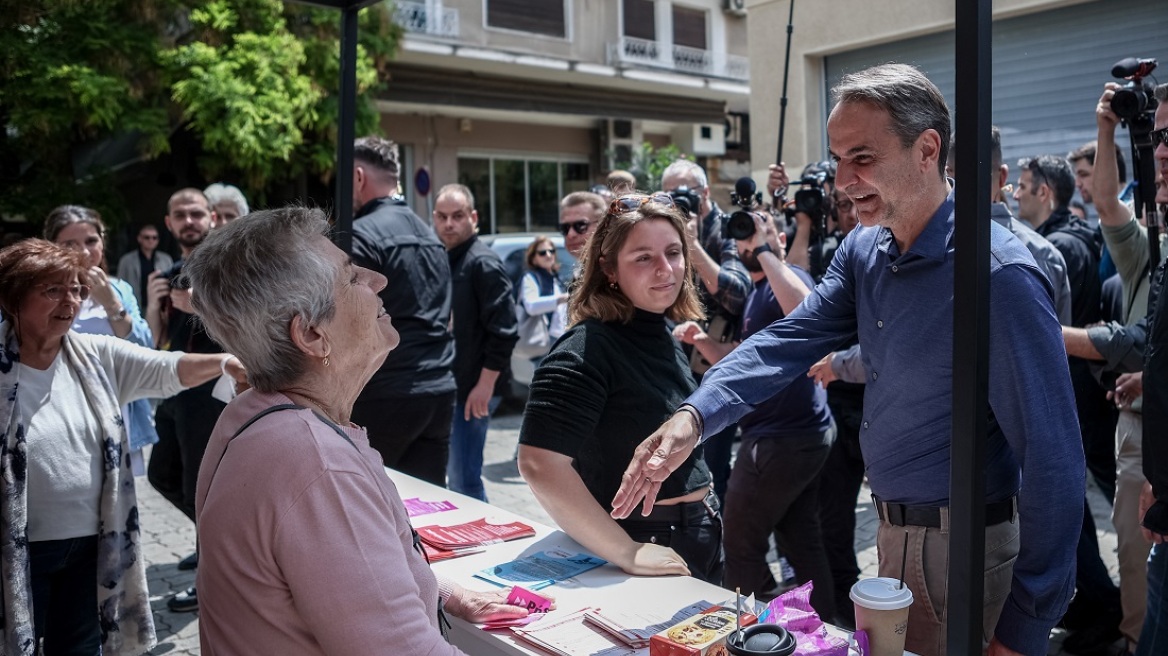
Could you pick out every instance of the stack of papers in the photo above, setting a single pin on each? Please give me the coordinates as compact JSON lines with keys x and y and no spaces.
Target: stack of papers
{"x":570,"y":635}
{"x":634,"y":628}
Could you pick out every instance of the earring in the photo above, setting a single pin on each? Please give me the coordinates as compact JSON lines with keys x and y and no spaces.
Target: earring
{"x":326,"y":362}
{"x":612,"y":285}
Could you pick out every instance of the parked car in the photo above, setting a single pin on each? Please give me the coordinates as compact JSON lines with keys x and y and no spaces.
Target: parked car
{"x":511,"y":248}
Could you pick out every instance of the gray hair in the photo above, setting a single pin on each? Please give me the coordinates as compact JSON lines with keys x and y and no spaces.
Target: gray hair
{"x":914,"y":104}
{"x":681,"y":167}
{"x":224,"y":193}
{"x":252,"y":277}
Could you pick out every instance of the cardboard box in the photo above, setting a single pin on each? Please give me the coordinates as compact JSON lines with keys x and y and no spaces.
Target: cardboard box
{"x":700,"y":635}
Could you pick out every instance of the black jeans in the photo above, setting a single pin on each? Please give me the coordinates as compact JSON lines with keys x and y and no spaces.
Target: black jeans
{"x":412,"y":434}
{"x":184,"y":422}
{"x":839,"y":486}
{"x":693,"y":530}
{"x":64,"y":595}
{"x":774,"y":490}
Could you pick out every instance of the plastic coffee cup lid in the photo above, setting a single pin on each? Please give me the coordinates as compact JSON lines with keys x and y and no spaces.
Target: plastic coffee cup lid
{"x":881,"y":594}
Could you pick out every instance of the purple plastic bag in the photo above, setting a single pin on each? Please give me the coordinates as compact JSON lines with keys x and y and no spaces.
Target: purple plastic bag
{"x":792,"y":610}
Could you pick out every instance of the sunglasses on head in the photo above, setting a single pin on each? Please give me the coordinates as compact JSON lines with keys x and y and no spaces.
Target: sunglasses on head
{"x":634,"y":202}
{"x":580,"y":227}
{"x":546,"y":251}
{"x":1159,"y":137}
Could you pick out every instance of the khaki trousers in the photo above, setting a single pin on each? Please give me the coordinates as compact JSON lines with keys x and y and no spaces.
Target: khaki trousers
{"x":927,"y":572}
{"x":1133,"y":549}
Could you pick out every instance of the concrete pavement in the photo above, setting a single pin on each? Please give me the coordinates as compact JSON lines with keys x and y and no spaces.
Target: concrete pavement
{"x":168,"y":536}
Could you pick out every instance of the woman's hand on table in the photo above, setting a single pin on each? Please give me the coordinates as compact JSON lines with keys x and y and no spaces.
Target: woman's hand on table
{"x":479,"y":607}
{"x":648,"y":559}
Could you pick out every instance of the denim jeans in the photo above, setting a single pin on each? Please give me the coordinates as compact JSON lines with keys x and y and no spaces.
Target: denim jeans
{"x":64,"y":595}
{"x":1154,"y":636}
{"x":464,"y":468}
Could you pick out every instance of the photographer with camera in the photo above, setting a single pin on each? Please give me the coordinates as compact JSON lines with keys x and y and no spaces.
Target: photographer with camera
{"x":184,"y":421}
{"x":773,"y":488}
{"x":723,"y":285}
{"x":818,"y":217}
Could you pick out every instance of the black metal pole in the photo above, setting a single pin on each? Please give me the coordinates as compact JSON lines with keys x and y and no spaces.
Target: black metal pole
{"x":783,"y":99}
{"x":971,"y":295}
{"x":343,"y":206}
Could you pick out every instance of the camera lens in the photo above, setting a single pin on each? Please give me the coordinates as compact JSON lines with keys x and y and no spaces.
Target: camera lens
{"x":1129,"y":102}
{"x":740,"y":226}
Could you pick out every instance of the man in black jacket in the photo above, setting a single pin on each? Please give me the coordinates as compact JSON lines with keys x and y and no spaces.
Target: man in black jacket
{"x":406,"y":406}
{"x":485,"y":333}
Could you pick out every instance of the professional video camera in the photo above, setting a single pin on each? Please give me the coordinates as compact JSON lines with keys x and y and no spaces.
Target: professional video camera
{"x":741,"y":223}
{"x":687,"y":200}
{"x":812,"y":198}
{"x":1134,"y":99}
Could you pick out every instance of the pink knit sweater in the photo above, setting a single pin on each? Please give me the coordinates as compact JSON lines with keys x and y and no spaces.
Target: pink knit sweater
{"x":304,"y":545}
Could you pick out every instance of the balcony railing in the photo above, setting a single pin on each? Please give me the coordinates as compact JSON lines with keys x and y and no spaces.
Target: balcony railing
{"x":643,"y":52}
{"x":418,"y":18}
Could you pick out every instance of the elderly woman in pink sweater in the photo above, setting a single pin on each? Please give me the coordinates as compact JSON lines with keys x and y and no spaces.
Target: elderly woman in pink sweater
{"x":305,"y":546}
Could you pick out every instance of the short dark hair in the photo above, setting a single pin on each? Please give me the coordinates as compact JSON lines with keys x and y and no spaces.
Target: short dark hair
{"x":1087,"y":151}
{"x":914,"y":104}
{"x":455,"y":188}
{"x":1055,"y":172}
{"x":379,"y":153}
{"x":29,"y":262}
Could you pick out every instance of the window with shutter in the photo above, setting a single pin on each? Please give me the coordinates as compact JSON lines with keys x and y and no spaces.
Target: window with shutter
{"x":535,"y":16}
{"x":640,"y":19}
{"x":689,"y":27}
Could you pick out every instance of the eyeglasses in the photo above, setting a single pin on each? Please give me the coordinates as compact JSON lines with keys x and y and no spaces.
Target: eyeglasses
{"x":581,"y":227}
{"x":56,"y":292}
{"x":546,"y":251}
{"x":632,"y":203}
{"x":1159,"y":137}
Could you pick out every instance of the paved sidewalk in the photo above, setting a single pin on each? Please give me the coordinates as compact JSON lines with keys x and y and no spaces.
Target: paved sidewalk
{"x":168,"y":536}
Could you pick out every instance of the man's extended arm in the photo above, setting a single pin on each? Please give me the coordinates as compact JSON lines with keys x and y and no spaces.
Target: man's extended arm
{"x":1033,"y":402}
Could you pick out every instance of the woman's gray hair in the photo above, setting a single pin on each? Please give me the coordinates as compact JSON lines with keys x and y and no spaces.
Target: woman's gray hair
{"x":251,"y":277}
{"x":225,"y":193}
{"x":914,"y":104}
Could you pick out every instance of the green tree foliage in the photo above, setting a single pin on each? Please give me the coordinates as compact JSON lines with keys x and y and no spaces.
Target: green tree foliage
{"x":254,"y":80}
{"x":648,"y":163}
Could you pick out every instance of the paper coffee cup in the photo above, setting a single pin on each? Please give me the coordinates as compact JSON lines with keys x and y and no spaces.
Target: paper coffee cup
{"x":882,"y":611}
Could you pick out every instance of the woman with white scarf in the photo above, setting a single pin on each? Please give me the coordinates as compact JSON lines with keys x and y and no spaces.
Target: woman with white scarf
{"x":70,"y":543}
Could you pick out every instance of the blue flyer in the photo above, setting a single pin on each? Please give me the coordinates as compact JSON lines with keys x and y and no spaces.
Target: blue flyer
{"x":540,"y":570}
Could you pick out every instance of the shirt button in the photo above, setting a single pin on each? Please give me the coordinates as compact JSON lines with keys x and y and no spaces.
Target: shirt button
{"x":865,"y":424}
{"x":895,"y":268}
{"x":880,"y":323}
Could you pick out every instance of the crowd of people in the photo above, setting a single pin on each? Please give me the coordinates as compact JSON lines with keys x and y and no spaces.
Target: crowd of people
{"x":286,"y":373}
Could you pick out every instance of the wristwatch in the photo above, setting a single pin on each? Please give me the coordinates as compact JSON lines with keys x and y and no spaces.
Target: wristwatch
{"x":119,"y":315}
{"x":765,"y":248}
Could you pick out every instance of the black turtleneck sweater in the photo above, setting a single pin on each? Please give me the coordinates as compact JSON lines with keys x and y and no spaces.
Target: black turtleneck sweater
{"x":601,"y":391}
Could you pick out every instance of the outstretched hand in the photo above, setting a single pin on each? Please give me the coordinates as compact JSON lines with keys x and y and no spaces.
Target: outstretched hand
{"x":479,"y":607}
{"x":653,"y":461}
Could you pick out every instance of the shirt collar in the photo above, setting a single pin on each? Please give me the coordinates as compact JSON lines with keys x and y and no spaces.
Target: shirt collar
{"x":933,"y":242}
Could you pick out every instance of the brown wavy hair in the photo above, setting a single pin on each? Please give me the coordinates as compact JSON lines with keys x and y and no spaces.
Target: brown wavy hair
{"x":593,"y":298}
{"x":30,"y":262}
{"x":529,"y":256}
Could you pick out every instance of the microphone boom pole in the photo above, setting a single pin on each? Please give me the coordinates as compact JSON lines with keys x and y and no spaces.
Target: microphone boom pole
{"x":786,"y":71}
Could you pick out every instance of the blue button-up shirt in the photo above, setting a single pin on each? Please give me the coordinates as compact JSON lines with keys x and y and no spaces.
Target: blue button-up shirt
{"x":901,"y":306}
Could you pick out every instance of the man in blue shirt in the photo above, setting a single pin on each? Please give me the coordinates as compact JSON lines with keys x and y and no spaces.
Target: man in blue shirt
{"x":891,"y":282}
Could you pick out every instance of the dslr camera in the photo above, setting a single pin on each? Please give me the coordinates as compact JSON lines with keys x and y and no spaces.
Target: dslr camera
{"x":687,"y":200}
{"x":740,"y":225}
{"x":175,"y":275}
{"x":1134,"y":99}
{"x":812,"y":198}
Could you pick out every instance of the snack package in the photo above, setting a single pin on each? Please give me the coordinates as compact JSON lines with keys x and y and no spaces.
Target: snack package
{"x":792,"y":610}
{"x":700,"y":635}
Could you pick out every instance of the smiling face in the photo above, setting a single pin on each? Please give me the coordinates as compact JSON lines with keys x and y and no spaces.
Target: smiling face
{"x":650,"y":266}
{"x":83,"y":237}
{"x":360,"y":332}
{"x":882,"y":177}
{"x":40,"y":317}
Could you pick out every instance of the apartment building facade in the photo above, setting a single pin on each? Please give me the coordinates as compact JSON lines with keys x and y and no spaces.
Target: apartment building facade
{"x":525,"y":101}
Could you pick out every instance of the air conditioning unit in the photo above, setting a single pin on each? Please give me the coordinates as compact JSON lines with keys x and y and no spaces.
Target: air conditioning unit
{"x":701,"y":139}
{"x":620,"y":137}
{"x":736,"y":7}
